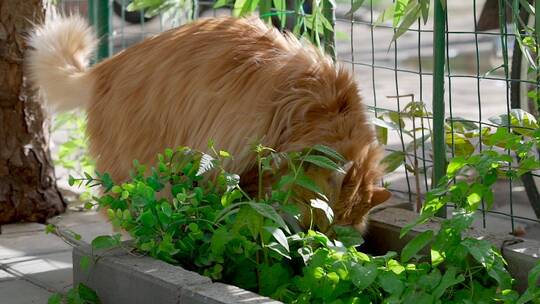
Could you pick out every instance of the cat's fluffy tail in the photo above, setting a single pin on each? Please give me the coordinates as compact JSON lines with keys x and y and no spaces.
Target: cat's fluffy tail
{"x":58,"y":61}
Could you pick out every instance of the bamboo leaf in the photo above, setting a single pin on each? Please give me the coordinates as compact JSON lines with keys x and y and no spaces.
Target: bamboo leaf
{"x":329,"y":152}
{"x":354,"y":7}
{"x":393,"y":160}
{"x":323,"y":162}
{"x":410,"y":18}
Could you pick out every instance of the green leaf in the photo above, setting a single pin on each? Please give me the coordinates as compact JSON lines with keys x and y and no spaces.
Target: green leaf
{"x":528,"y":296}
{"x":415,"y":245}
{"x":306,"y":253}
{"x":228,"y":198}
{"x":284,"y":181}
{"x":474,"y":198}
{"x":250,"y":218}
{"x":410,"y":18}
{"x":448,"y":280}
{"x":278,"y":248}
{"x":50,"y":228}
{"x":378,"y":121}
{"x":221,"y":3}
{"x":272,"y":277}
{"x":363,"y":276}
{"x":220,"y":238}
{"x":391,"y":283}
{"x":349,"y":236}
{"x":270,"y":213}
{"x":429,"y":209}
{"x":307,"y":183}
{"x":279,"y":236}
{"x":107,"y":182}
{"x":425,"y":10}
{"x":55,"y":298}
{"x":323,"y":162}
{"x":224,"y":154}
{"x":324,"y":207}
{"x":393,"y":160}
{"x":116,"y":189}
{"x":167,"y":209}
{"x":534,"y":276}
{"x":395,"y":266}
{"x":382,"y":135}
{"x":484,"y":253}
{"x":71,"y":180}
{"x":462,"y":125}
{"x":461,"y":144}
{"x":522,"y":122}
{"x":533,"y":290}
{"x":244,"y":7}
{"x":73,"y":234}
{"x":84,"y":263}
{"x":329,"y":152}
{"x":400,"y":8}
{"x":481,"y":251}
{"x":148,"y":219}
{"x":417,"y":143}
{"x":105,"y":242}
{"x":87,"y":294}
{"x":169,"y":153}
{"x":455,"y":165}
{"x":431,"y":280}
{"x":354,"y":7}
{"x":385,"y":15}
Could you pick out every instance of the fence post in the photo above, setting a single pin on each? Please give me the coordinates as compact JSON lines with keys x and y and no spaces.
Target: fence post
{"x":194,"y":10}
{"x":439,"y":48}
{"x":98,"y":14}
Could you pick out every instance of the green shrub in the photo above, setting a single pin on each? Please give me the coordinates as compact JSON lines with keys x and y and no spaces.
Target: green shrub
{"x":213,"y":227}
{"x":72,"y":153}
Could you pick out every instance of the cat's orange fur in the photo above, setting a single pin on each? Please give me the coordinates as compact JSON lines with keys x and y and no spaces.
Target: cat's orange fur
{"x":235,"y":81}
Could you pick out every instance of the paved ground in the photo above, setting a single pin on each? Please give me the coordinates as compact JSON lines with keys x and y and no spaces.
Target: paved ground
{"x":33,"y":265}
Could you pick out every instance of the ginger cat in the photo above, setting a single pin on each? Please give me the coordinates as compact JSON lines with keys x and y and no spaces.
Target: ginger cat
{"x":231,"y":80}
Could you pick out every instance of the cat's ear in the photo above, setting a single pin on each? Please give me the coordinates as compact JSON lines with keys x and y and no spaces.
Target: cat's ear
{"x":379,"y":196}
{"x":337,"y":177}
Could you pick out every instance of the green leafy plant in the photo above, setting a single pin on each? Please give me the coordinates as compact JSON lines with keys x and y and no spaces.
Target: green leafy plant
{"x":72,"y":153}
{"x":462,"y":137}
{"x":80,"y":294}
{"x":521,"y":15}
{"x":204,"y":221}
{"x":316,"y":26}
{"x":403,"y":13}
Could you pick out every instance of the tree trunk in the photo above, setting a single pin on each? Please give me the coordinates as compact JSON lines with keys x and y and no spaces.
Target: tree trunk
{"x":28,"y":189}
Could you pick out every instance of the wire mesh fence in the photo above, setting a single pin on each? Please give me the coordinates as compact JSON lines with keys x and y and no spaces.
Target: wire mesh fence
{"x":482,"y":75}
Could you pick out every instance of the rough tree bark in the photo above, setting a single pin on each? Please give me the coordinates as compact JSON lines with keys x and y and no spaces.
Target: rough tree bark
{"x":28,"y":189}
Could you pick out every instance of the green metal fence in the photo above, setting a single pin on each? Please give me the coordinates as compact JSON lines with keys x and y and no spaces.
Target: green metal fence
{"x":117,"y":27}
{"x":463,"y":75}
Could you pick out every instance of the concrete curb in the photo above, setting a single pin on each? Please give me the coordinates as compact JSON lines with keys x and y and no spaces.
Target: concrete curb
{"x":119,"y":277}
{"x":385,"y":226}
